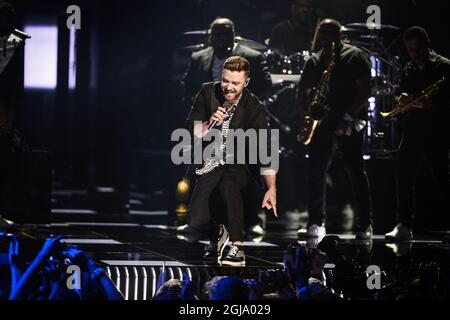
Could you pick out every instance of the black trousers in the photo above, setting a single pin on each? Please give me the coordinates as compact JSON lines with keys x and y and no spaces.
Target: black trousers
{"x":322,"y":148}
{"x":230,"y":179}
{"x":422,"y":148}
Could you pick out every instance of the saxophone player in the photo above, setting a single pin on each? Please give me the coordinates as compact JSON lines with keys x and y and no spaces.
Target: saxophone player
{"x":342,"y":115}
{"x":425,"y":138}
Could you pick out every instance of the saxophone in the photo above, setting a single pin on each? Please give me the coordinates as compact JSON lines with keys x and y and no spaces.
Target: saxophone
{"x":317,"y":106}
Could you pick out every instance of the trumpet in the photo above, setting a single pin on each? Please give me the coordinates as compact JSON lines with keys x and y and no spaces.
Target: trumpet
{"x":426,"y":93}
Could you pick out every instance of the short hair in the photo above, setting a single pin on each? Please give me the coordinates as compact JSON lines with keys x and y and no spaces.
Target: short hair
{"x":223,"y":21}
{"x":227,"y":288}
{"x":299,"y":3}
{"x":330,"y":24}
{"x":416,"y":32}
{"x":236,"y":63}
{"x":170,"y":290}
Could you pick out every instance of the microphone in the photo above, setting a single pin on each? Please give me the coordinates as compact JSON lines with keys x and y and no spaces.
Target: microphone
{"x":21,"y":34}
{"x":229,"y":107}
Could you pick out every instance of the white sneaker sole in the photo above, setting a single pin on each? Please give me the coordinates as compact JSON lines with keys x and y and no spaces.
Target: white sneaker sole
{"x":233,"y":264}
{"x":220,"y":253}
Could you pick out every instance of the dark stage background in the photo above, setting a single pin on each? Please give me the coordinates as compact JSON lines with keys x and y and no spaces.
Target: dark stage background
{"x":114,"y":129}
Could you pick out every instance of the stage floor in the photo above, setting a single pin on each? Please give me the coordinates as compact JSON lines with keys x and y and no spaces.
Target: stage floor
{"x":134,"y":253}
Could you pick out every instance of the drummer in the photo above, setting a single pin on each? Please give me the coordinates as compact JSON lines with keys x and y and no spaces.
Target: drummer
{"x":206,"y":65}
{"x":294,"y":34}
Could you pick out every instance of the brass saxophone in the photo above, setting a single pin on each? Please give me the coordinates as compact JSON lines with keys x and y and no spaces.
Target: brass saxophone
{"x":426,"y":93}
{"x":317,"y":106}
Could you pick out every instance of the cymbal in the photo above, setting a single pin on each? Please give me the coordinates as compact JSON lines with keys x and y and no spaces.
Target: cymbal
{"x":197,"y":32}
{"x":366,"y":26}
{"x":347,"y":29}
{"x":194,"y":47}
{"x":371,"y":37}
{"x":251,"y":43}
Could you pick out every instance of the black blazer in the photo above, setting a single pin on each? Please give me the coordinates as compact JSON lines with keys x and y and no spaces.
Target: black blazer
{"x":199,"y":71}
{"x":249,"y":114}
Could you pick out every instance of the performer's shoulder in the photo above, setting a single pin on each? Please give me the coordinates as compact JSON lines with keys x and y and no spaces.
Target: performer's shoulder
{"x":281,"y":26}
{"x":247,"y":52}
{"x":201,"y":54}
{"x":254,"y":101}
{"x":207,"y":86}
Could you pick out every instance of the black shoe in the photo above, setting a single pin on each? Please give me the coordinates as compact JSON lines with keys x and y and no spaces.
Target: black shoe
{"x":5,"y":223}
{"x":256,"y":229}
{"x":235,"y":257}
{"x":365,"y":234}
{"x":214,"y":250}
{"x":222,"y":241}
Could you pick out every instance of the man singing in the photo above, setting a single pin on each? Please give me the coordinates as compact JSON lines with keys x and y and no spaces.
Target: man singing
{"x":248,"y":113}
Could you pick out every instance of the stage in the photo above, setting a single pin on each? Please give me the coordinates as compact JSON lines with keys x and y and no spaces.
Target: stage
{"x":133,"y":249}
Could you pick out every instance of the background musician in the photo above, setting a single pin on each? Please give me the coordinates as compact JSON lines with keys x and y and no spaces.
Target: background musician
{"x":425,"y":142}
{"x":349,"y":88}
{"x":294,"y":34}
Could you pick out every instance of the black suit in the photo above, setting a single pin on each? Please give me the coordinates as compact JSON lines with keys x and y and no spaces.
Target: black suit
{"x":200,"y":70}
{"x":425,"y":142}
{"x":230,"y":178}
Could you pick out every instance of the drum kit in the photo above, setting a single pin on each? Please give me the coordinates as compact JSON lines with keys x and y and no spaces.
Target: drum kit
{"x":379,"y":43}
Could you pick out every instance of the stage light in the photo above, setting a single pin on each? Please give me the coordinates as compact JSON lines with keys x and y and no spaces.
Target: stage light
{"x":41,"y":57}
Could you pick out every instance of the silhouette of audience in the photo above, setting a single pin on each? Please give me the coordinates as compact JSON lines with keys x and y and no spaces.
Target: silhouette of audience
{"x":302,"y":278}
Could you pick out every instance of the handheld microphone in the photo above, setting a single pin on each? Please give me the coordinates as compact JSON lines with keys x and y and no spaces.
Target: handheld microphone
{"x":21,"y":34}
{"x":229,"y":107}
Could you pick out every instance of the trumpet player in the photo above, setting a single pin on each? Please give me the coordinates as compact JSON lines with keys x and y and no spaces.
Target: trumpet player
{"x":340,"y":126}
{"x":425,"y":140}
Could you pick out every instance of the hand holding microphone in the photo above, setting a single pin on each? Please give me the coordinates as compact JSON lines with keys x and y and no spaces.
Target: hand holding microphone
{"x":217,"y":117}
{"x":220,"y":115}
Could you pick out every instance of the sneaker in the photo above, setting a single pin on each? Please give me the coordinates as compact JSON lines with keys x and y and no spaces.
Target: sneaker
{"x":400,"y":232}
{"x":301,"y":232}
{"x":256,"y":230}
{"x":235,"y":257}
{"x":5,"y":222}
{"x":222,"y":241}
{"x":182,"y":228}
{"x":365,"y":234}
{"x":210,"y":252}
{"x":214,"y":250}
{"x":315,"y":231}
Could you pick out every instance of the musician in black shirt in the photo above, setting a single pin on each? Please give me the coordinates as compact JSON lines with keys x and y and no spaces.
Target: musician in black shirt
{"x":425,"y":142}
{"x":342,"y":126}
{"x":294,"y":34}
